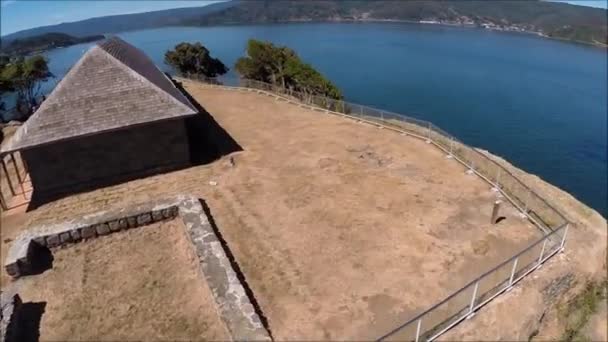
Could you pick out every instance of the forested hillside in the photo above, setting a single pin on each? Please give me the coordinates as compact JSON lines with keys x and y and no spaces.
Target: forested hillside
{"x":551,"y":19}
{"x":45,"y":42}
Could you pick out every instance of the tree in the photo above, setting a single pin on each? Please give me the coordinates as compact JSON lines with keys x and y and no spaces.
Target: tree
{"x":25,"y":77}
{"x":4,"y":87}
{"x":281,"y":66}
{"x":195,"y":59}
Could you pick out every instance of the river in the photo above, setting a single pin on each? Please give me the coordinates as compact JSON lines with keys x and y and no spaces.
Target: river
{"x":541,"y":104}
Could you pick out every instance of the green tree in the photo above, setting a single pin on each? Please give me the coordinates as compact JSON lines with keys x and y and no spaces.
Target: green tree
{"x":281,"y":66}
{"x":25,"y":76}
{"x":195,"y":59}
{"x":4,"y":88}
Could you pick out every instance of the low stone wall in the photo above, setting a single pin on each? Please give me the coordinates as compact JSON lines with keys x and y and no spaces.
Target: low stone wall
{"x":232,"y":302}
{"x":10,"y":305}
{"x":18,"y":260}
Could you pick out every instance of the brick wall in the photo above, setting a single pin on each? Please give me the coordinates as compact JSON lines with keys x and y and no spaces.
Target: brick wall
{"x":108,"y":158}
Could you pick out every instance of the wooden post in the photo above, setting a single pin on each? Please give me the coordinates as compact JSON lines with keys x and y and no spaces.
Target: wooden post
{"x":18,"y":175}
{"x":8,"y":177}
{"x":3,"y":203}
{"x":495,"y":211}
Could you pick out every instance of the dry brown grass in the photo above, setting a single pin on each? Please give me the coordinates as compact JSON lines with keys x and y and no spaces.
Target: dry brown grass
{"x":142,"y":284}
{"x":343,"y":230}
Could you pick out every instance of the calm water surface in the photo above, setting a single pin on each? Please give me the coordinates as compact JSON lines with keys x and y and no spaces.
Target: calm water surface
{"x":541,"y":104}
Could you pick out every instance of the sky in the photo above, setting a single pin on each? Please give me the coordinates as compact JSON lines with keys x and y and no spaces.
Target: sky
{"x":590,"y":3}
{"x":23,"y":14}
{"x":17,"y":15}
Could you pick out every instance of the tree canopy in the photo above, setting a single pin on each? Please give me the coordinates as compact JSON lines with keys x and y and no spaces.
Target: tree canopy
{"x":195,"y":59}
{"x":280,"y":65}
{"x":24,"y":76}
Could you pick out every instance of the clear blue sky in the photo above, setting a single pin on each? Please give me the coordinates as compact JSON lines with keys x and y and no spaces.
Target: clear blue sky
{"x":590,"y":3}
{"x":23,"y":14}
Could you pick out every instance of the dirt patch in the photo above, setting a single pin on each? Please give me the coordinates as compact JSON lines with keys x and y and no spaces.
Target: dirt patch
{"x":142,"y":284}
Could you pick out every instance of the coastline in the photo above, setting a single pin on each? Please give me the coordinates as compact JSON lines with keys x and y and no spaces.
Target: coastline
{"x":377,"y":20}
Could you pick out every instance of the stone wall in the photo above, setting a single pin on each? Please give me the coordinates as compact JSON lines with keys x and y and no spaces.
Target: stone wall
{"x":10,"y":305}
{"x":233,"y":303}
{"x":108,"y":158}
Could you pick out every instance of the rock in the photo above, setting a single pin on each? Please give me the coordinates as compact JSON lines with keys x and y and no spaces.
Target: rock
{"x":102,"y":229}
{"x":114,"y":225}
{"x":75,"y":235}
{"x":157,"y":215}
{"x":40,"y":240}
{"x":65,"y":238}
{"x":88,"y":232}
{"x":144,"y":219}
{"x":53,"y":240}
{"x":123,"y":224}
{"x":132,"y":221}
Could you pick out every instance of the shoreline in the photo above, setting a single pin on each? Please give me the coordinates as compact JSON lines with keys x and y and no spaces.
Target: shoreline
{"x":403,"y":21}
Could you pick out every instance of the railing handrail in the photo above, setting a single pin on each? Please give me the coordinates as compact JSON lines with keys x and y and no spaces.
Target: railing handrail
{"x":472,"y":282}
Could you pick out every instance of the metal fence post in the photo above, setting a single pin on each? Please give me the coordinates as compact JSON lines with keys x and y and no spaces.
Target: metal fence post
{"x":428,"y":140}
{"x":513,"y":272}
{"x":561,"y":246}
{"x":498,"y":179}
{"x":451,"y":153}
{"x":542,"y":251}
{"x":361,"y":112}
{"x":418,"y":329}
{"x":472,"y":305}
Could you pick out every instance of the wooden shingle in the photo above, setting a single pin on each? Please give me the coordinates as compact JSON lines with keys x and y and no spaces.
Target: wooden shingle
{"x":114,"y":85}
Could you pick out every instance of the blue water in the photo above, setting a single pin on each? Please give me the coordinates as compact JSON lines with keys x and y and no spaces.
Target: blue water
{"x":539,"y":103}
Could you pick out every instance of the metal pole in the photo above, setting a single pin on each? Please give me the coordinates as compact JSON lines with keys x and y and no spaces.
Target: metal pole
{"x":18,"y":175}
{"x":382,"y":116}
{"x":429,"y":137}
{"x":473,"y":298}
{"x":564,"y":237}
{"x":542,"y":251}
{"x":495,"y":211}
{"x":527,"y":200}
{"x":513,"y":271}
{"x":8,"y":178}
{"x":451,"y":145}
{"x":418,"y":329}
{"x":498,"y":179}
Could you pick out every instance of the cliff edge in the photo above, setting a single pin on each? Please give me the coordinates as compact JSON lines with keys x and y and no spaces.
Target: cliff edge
{"x":566,"y":298}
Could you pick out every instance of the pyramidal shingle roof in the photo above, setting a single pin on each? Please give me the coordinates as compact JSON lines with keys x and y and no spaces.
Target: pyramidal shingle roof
{"x":113,"y":85}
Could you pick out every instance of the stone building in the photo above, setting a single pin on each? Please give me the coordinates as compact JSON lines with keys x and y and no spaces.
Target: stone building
{"x":115,"y":116}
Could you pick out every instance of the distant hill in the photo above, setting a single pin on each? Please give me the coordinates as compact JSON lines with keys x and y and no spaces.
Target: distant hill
{"x":45,"y":41}
{"x":122,"y":23}
{"x":550,"y":19}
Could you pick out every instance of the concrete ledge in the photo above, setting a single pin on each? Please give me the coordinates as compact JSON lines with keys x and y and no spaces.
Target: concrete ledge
{"x":233,"y":304}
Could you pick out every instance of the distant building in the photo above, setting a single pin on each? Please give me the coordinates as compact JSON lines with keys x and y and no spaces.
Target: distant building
{"x":115,"y":116}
